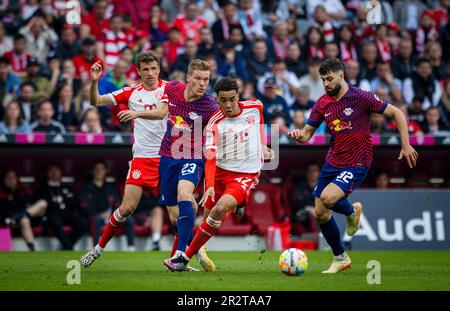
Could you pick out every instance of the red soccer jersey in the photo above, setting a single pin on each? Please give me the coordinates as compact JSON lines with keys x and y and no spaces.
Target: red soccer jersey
{"x":83,"y":66}
{"x":190,"y":29}
{"x":349,"y":124}
{"x":18,"y":62}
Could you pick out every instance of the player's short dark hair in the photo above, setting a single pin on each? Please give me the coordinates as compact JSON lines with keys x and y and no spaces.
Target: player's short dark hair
{"x":147,"y":57}
{"x":226,"y":84}
{"x":330,"y":65}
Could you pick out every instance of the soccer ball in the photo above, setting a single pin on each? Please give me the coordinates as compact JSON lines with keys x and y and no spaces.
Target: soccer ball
{"x":293,"y":262}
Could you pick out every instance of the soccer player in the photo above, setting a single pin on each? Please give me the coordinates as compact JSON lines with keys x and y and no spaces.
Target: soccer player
{"x":235,"y":154}
{"x":182,"y":163}
{"x":148,"y":134}
{"x":346,"y":110}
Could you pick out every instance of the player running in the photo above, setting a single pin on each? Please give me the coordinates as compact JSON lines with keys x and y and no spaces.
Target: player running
{"x":182,"y":162}
{"x":346,"y":111}
{"x":148,"y":134}
{"x":235,"y":155}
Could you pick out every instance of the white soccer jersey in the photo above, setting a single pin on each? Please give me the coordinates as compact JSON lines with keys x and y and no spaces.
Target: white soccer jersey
{"x":238,"y":140}
{"x":148,"y":134}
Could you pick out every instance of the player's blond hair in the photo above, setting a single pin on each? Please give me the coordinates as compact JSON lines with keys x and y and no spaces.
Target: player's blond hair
{"x":146,"y":57}
{"x":198,"y":64}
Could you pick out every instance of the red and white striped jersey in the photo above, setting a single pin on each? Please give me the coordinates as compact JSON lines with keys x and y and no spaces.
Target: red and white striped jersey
{"x":148,"y":134}
{"x":238,"y":140}
{"x":114,"y":43}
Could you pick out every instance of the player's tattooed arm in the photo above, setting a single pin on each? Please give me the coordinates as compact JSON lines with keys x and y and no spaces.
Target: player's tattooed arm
{"x":302,"y":135}
{"x":95,"y":98}
{"x":155,"y":114}
{"x":407,"y":151}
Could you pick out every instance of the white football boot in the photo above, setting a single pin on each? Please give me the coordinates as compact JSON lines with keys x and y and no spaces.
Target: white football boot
{"x":353,"y":221}
{"x":339,"y":265}
{"x":88,"y":258}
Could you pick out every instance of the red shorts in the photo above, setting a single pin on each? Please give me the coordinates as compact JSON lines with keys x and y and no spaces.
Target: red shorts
{"x":235,"y":184}
{"x":144,"y":173}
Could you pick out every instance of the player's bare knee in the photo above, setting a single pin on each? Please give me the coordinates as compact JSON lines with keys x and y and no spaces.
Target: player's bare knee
{"x":184,"y":195}
{"x":24,"y":221}
{"x":327,"y":200}
{"x":126,"y":209}
{"x":219,"y":211}
{"x":322,"y":215}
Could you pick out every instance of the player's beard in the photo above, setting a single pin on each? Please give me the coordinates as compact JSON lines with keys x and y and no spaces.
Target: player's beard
{"x":334,"y":91}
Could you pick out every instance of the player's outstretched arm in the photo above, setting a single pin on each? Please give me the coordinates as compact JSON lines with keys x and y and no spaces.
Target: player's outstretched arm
{"x":156,"y":114}
{"x":95,"y":98}
{"x":407,"y":151}
{"x":304,"y":135}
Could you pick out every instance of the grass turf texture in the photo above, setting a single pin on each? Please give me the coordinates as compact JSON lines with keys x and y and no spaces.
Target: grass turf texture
{"x":400,"y":270}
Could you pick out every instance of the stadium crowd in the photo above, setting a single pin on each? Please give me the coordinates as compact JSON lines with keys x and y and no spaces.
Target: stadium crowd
{"x":273,"y":48}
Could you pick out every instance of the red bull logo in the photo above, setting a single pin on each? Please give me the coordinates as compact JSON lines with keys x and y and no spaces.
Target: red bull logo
{"x":179,"y":123}
{"x":338,"y":125}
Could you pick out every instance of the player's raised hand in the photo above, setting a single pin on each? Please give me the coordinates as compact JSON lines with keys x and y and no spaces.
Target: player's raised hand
{"x":209,"y":193}
{"x":127,"y":115}
{"x":297,"y":135}
{"x":96,"y":71}
{"x":410,"y":154}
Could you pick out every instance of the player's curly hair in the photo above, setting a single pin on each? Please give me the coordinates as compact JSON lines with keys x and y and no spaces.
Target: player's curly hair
{"x":147,"y":57}
{"x":330,"y":65}
{"x":226,"y":84}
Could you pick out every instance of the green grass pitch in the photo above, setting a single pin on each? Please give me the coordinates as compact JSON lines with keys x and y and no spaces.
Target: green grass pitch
{"x":400,"y":270}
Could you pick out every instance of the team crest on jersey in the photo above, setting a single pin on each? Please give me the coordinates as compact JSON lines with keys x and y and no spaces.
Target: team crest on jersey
{"x":193,"y":115}
{"x":136,"y":174}
{"x":251,"y":120}
{"x":338,"y":125}
{"x":348,"y":111}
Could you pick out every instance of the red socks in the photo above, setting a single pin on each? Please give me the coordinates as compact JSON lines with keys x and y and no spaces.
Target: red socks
{"x":115,"y":224}
{"x":207,"y":229}
{"x":175,"y":245}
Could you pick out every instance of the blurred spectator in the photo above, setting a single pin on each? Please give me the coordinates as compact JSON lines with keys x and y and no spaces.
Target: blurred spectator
{"x":28,"y":8}
{"x":221,"y":27}
{"x":178,"y":75}
{"x":302,"y":101}
{"x":298,"y":120}
{"x":312,"y":79}
{"x":334,"y":8}
{"x":385,"y":78}
{"x":27,"y":103}
{"x":427,"y":32}
{"x":278,"y":43}
{"x":214,"y":76}
{"x":314,"y":44}
{"x":440,"y":13}
{"x":382,"y":180}
{"x":68,"y":46}
{"x":64,"y":107}
{"x":174,"y":46}
{"x":15,"y":207}
{"x":423,"y":83}
{"x":433,"y":51}
{"x":190,"y":52}
{"x":81,"y":100}
{"x":293,"y":31}
{"x":91,"y":122}
{"x":241,"y":44}
{"x":172,"y":8}
{"x":279,"y":120}
{"x":382,"y":43}
{"x":407,"y":13}
{"x":323,"y":21}
{"x":164,"y":65}
{"x":113,"y":80}
{"x":85,"y":59}
{"x":415,"y":111}
{"x":95,"y":23}
{"x":13,"y":121}
{"x":9,"y":83}
{"x":258,"y":63}
{"x":45,"y":122}
{"x":352,"y":76}
{"x":61,"y":208}
{"x":138,"y":10}
{"x":445,"y":41}
{"x":55,"y":19}
{"x":369,"y":61}
{"x":413,"y":127}
{"x":361,"y":28}
{"x":301,"y":198}
{"x":403,"y":64}
{"x":229,"y":63}
{"x":126,"y":54}
{"x":98,"y":199}
{"x":294,"y":62}
{"x":68,"y":75}
{"x":444,"y":105}
{"x":250,"y":19}
{"x":207,"y":45}
{"x":111,"y":41}
{"x":18,"y":56}
{"x":39,"y":37}
{"x":44,"y":88}
{"x":432,"y":124}
{"x":378,"y":124}
{"x":272,"y":103}
{"x":331,"y":50}
{"x":209,"y":11}
{"x":6,"y":44}
{"x":348,"y":45}
{"x":159,"y":28}
{"x":190,"y":23}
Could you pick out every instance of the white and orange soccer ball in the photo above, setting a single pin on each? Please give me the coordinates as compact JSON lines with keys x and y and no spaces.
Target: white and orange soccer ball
{"x":293,"y":262}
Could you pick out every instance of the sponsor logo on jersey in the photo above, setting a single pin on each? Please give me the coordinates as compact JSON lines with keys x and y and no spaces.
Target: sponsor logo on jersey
{"x":348,"y":111}
{"x":136,"y":174}
{"x":179,"y":123}
{"x":338,"y":125}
